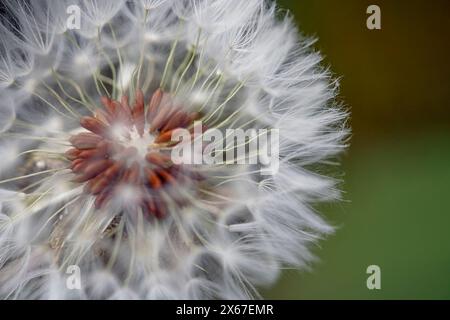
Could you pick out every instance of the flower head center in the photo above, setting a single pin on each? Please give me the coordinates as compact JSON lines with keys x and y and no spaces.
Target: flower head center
{"x":121,"y":155}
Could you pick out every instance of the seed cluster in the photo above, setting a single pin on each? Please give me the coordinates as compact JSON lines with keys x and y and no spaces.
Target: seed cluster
{"x":106,"y":162}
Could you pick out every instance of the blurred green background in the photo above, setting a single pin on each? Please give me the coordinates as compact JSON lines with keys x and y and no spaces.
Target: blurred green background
{"x":396,"y":212}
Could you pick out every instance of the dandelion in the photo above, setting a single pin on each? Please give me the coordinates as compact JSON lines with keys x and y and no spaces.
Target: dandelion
{"x":86,"y":174}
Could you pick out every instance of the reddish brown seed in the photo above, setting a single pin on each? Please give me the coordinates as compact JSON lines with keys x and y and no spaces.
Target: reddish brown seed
{"x":155,"y":101}
{"x":103,"y":147}
{"x":85,"y":140}
{"x":125,"y":107}
{"x":139,"y":97}
{"x":100,"y":151}
{"x":79,"y":167}
{"x":150,"y":206}
{"x":89,"y":153}
{"x":134,"y":173}
{"x":152,"y":178}
{"x":117,"y":109}
{"x":76,"y":162}
{"x":113,"y":170}
{"x":102,"y":198}
{"x":191,"y":118}
{"x":72,"y":153}
{"x":124,"y":101}
{"x":88,"y":186}
{"x":94,"y":125}
{"x":177,"y":173}
{"x":164,"y":137}
{"x":93,"y":168}
{"x":107,"y":103}
{"x":98,"y":184}
{"x":138,"y":112}
{"x":103,"y":116}
{"x":175,"y":121}
{"x":121,"y":116}
{"x":161,"y":118}
{"x":166,"y":176}
{"x":157,"y":158}
{"x":160,"y":209}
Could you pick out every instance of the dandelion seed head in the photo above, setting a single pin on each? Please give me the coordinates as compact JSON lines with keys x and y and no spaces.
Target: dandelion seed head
{"x":87,"y":176}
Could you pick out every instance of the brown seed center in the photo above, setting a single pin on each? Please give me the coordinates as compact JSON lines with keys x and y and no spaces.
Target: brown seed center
{"x":120,"y":156}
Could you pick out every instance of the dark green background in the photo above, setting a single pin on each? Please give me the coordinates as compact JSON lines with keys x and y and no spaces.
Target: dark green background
{"x":396,"y":213}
